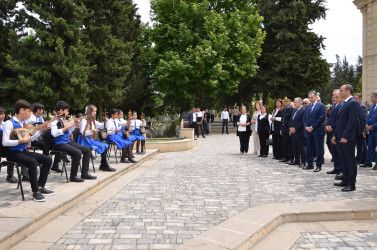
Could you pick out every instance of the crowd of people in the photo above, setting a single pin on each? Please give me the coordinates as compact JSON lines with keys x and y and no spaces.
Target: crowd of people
{"x":298,"y":128}
{"x":76,"y":138}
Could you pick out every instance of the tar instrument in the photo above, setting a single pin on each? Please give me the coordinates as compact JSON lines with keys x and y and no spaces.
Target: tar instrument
{"x":28,"y":129}
{"x":127,"y":133}
{"x":142,"y":128}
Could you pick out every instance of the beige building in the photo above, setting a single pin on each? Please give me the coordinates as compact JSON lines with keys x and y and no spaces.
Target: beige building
{"x":369,"y":10}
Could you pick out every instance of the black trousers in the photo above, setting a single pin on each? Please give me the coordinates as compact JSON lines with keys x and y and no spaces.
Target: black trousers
{"x":194,"y":125}
{"x":212,"y":118}
{"x":361,"y":150}
{"x":30,"y":160}
{"x":277,"y":146}
{"x":263,"y":143}
{"x":200,"y":126}
{"x":244,"y":141}
{"x":75,"y":150}
{"x":347,"y":152}
{"x":206,"y":127}
{"x":39,"y":144}
{"x":225,"y":123}
{"x":299,"y":148}
{"x":235,"y":120}
{"x":287,"y":145}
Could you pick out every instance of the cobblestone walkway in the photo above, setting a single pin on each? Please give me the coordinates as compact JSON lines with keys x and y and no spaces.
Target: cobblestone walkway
{"x":186,"y":193}
{"x":366,"y":240}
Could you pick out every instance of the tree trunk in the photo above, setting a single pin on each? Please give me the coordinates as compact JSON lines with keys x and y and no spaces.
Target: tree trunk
{"x":265,"y":98}
{"x":100,"y":111}
{"x":198,"y":98}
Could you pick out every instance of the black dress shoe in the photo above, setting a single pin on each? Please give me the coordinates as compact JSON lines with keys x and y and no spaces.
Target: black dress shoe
{"x":75,"y":179}
{"x":137,"y":152}
{"x":11,"y":179}
{"x":124,"y":160}
{"x":294,"y":163}
{"x":340,"y":184}
{"x":259,"y":155}
{"x":25,"y":178}
{"x":107,"y":168}
{"x":339,"y":176}
{"x":88,"y":176}
{"x":375,"y":167}
{"x":132,"y":161}
{"x":348,"y":188}
{"x":365,"y":166}
{"x":282,"y":160}
{"x":308,"y":167}
{"x":57,"y":169}
{"x":334,"y":171}
{"x":317,"y":169}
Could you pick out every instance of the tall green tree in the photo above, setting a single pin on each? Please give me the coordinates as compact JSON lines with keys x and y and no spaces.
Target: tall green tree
{"x":200,"y":47}
{"x":291,"y":61}
{"x":113,"y":29}
{"x":51,"y":62}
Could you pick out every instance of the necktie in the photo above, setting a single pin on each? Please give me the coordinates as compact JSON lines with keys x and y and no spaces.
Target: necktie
{"x":115,"y":125}
{"x":341,"y":106}
{"x":311,"y":109}
{"x":294,"y":115}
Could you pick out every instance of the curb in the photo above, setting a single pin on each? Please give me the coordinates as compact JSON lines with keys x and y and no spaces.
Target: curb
{"x":244,"y":230}
{"x":24,"y":230}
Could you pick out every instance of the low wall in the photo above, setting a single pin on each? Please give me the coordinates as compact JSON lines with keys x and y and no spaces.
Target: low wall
{"x":187,"y":133}
{"x":171,"y":146}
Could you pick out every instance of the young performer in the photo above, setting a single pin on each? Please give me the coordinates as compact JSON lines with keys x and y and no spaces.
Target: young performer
{"x":115,"y":135}
{"x":35,"y":118}
{"x":18,"y":151}
{"x":124,"y":126}
{"x":135,"y":131}
{"x":60,"y":132}
{"x":89,"y":129}
{"x":10,"y":177}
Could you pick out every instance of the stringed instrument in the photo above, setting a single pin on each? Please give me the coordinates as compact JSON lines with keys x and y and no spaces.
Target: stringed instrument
{"x":102,"y":133}
{"x":29,"y":129}
{"x":127,"y":133}
{"x":142,"y":128}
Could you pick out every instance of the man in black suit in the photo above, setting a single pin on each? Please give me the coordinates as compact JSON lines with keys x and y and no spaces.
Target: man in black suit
{"x":330,"y":128}
{"x":346,"y":133}
{"x":192,"y":121}
{"x":297,"y":132}
{"x":286,"y":114}
{"x":362,"y":142}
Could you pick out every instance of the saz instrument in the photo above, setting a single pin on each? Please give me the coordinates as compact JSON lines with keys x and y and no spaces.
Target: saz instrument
{"x":102,"y":133}
{"x":29,"y":129}
{"x":127,"y":133}
{"x":142,"y":128}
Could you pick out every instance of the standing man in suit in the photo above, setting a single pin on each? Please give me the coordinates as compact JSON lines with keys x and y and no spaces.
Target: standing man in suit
{"x":225,"y":119}
{"x":314,"y":121}
{"x":286,"y":115}
{"x":346,"y":133}
{"x":330,"y":128}
{"x":362,"y":142}
{"x":297,"y":132}
{"x":192,"y":121}
{"x":371,"y":126}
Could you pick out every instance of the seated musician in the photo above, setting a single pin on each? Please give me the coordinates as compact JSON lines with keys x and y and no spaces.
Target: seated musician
{"x":35,"y":119}
{"x":135,"y":131}
{"x":61,"y":133}
{"x":18,"y":151}
{"x":89,"y":129}
{"x":115,"y":135}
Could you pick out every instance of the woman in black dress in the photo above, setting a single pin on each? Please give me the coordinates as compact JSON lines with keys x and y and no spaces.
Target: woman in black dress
{"x":263,"y":127}
{"x":277,"y":144}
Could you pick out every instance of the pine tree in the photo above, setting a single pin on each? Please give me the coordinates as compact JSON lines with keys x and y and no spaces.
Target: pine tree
{"x":51,"y":63}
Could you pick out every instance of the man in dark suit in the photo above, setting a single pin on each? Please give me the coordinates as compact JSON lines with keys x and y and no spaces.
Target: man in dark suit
{"x":314,"y":118}
{"x":361,"y":143}
{"x":346,"y":134}
{"x":330,"y":127}
{"x":297,"y":132}
{"x":371,"y":126}
{"x":286,"y":114}
{"x":192,"y":121}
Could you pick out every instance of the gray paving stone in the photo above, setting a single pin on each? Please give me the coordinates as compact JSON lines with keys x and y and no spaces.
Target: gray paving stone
{"x":187,"y":193}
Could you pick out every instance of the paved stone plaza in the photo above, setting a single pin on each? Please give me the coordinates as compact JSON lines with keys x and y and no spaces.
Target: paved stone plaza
{"x":186,"y":193}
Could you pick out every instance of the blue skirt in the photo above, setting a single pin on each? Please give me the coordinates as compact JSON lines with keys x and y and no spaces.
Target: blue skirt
{"x":131,"y":138}
{"x":136,"y":133}
{"x":118,"y":139}
{"x":97,"y":145}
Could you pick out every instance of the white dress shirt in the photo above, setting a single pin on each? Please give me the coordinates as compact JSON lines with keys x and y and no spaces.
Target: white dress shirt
{"x":111,"y":127}
{"x":137,"y":124}
{"x":7,"y":129}
{"x":55,"y":132}
{"x":243,"y":119}
{"x":88,"y":132}
{"x":33,"y":119}
{"x":224,"y":115}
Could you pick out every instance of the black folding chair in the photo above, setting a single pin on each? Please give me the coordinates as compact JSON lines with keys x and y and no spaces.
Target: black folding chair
{"x":76,"y":133}
{"x":3,"y":154}
{"x":48,"y":141}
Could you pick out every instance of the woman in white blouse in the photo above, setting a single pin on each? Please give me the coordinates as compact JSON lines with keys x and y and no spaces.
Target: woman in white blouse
{"x":263,"y":127}
{"x":135,"y":125}
{"x":89,"y":129}
{"x":257,"y":111}
{"x":244,"y":130}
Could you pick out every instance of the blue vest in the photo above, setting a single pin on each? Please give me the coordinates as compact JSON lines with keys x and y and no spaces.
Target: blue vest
{"x":62,"y":139}
{"x":22,"y":146}
{"x":40,"y":119}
